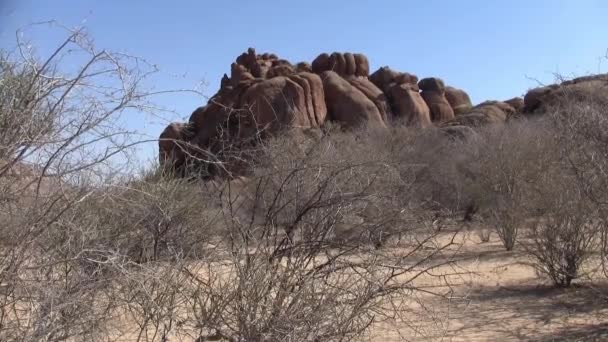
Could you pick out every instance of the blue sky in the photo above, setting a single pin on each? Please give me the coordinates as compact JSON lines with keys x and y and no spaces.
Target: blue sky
{"x":492,"y":49}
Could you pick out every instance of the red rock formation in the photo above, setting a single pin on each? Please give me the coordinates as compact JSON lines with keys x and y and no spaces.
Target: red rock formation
{"x":264,"y":95}
{"x":433,"y":93}
{"x":459,"y":100}
{"x":347,"y":104}
{"x":540,"y":99}
{"x":408,"y":106}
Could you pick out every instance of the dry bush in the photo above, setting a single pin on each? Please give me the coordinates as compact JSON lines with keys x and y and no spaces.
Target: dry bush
{"x":506,"y":164}
{"x":300,"y":250}
{"x":288,"y":272}
{"x":438,"y":163}
{"x":582,"y":126}
{"x":490,"y":173}
{"x":147,"y":221}
{"x":61,"y":139}
{"x":566,"y":236}
{"x":580,"y":120}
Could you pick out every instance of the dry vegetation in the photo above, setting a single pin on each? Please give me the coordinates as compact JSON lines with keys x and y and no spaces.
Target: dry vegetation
{"x":334,"y":236}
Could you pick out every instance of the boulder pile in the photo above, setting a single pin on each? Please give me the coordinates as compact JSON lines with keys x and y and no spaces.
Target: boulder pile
{"x":265,"y":94}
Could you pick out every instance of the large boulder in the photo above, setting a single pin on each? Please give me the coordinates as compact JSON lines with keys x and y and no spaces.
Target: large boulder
{"x":374,"y":94}
{"x":432,"y":84}
{"x":362,"y":65}
{"x":489,"y":112}
{"x":459,"y":100}
{"x":344,"y":64}
{"x":172,"y":144}
{"x":496,"y":109}
{"x":321,"y":63}
{"x":315,"y":97}
{"x":485,"y":113}
{"x":347,"y":104}
{"x":409,"y":106}
{"x":238,"y":73}
{"x":433,"y":93}
{"x":303,"y":67}
{"x":284,"y":101}
{"x":384,"y":78}
{"x":517,"y":103}
{"x":280,"y":70}
{"x":583,"y":88}
{"x":257,"y":65}
{"x":535,"y":98}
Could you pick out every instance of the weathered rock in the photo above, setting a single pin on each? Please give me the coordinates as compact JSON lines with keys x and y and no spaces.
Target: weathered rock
{"x":459,"y":100}
{"x":239,"y":73}
{"x":432,"y":84}
{"x":385,"y":77}
{"x":517,"y":103}
{"x":374,"y":94}
{"x":347,"y":104}
{"x":494,"y":111}
{"x":362,"y":64}
{"x":172,"y":144}
{"x":316,"y":110}
{"x":303,"y":67}
{"x":583,"y":88}
{"x":280,"y":70}
{"x":337,"y":63}
{"x":351,"y":66}
{"x":433,"y":93}
{"x":321,"y":63}
{"x":277,"y":102}
{"x":280,"y":62}
{"x":317,"y":95}
{"x":534,"y":98}
{"x":409,"y":106}
{"x":441,"y":110}
{"x":344,"y":64}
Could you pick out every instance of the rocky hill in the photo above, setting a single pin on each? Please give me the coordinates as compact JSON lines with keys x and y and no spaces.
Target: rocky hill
{"x":265,"y":94}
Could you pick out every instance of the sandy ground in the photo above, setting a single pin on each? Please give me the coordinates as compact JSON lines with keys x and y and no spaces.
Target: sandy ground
{"x":493,"y":295}
{"x":497,"y":296}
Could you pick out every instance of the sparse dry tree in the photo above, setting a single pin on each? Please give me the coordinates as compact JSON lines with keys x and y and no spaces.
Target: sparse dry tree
{"x":580,"y":121}
{"x":303,"y":248}
{"x":507,"y":161}
{"x":304,"y":254}
{"x":61,"y":138}
{"x":567,"y":235}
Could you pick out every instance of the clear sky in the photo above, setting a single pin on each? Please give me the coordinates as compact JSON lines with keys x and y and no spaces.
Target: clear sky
{"x":492,"y":49}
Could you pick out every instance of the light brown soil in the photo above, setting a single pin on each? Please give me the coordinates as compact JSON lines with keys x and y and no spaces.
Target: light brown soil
{"x":497,"y":296}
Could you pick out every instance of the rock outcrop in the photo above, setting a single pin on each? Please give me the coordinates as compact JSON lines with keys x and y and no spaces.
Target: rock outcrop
{"x":540,"y":99}
{"x":265,"y":95}
{"x":347,"y":104}
{"x":459,"y":100}
{"x":409,"y":106}
{"x":433,"y":93}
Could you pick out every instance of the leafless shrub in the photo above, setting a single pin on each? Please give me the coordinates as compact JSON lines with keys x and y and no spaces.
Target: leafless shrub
{"x":150,"y":221}
{"x":566,"y":236}
{"x":581,"y":120}
{"x":61,"y":139}
{"x":515,"y":157}
{"x":301,"y":249}
{"x":288,"y":274}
